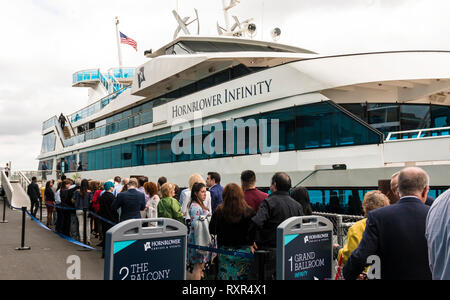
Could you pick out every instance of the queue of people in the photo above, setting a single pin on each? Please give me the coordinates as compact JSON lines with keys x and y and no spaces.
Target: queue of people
{"x":241,"y":218}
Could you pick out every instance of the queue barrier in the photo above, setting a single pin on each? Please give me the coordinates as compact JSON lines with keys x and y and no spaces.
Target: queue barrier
{"x":197,"y":247}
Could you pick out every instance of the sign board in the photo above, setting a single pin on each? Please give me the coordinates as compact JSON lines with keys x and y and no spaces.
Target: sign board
{"x":305,"y":249}
{"x":135,"y":252}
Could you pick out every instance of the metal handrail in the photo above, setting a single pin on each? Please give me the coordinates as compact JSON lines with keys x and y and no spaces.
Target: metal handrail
{"x":82,"y":135}
{"x":6,"y":185}
{"x":24,"y":181}
{"x":115,"y":94}
{"x":418,"y":131}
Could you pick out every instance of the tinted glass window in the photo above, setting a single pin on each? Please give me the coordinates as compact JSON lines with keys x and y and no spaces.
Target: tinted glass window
{"x":107,"y":158}
{"x":116,"y":152}
{"x":150,"y":149}
{"x":384,"y":117}
{"x":440,"y":116}
{"x":286,"y":125}
{"x":138,"y":154}
{"x":164,"y":151}
{"x":415,"y":117}
{"x":126,"y":155}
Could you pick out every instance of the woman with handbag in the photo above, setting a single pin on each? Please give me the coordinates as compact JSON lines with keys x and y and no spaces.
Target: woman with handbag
{"x":230,"y":222}
{"x":197,"y":212}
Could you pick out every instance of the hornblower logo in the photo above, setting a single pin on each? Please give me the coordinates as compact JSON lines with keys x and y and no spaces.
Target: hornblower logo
{"x":141,"y":76}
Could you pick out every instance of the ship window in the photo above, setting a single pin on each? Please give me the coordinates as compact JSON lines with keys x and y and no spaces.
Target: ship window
{"x":91,"y":161}
{"x":415,"y":117}
{"x":182,"y":144}
{"x":84,"y":159}
{"x":99,"y":159}
{"x":323,"y":125}
{"x":126,"y":155}
{"x":137,"y":154}
{"x":48,"y":142}
{"x":150,"y":151}
{"x":359,"y":110}
{"x":384,"y":117}
{"x":107,"y":158}
{"x":164,"y":148}
{"x":115,"y":156}
{"x":440,"y":116}
{"x":123,"y":124}
{"x":239,"y":70}
{"x":147,"y":117}
{"x":246,"y":135}
{"x":286,"y":125}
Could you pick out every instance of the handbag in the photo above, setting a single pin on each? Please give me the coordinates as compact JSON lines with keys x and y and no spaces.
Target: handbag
{"x":201,"y":233}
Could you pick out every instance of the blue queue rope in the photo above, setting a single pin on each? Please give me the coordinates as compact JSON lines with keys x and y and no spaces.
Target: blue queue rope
{"x":60,"y":234}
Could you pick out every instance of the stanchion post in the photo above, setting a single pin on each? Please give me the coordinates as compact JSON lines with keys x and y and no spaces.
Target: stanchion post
{"x":22,"y":244}
{"x":40,"y":210}
{"x":260,"y":259}
{"x":4,"y":211}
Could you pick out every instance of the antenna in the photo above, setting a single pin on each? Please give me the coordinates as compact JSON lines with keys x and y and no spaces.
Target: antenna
{"x":183,"y":23}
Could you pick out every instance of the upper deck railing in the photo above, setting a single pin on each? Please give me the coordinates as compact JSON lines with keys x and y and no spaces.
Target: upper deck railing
{"x":95,"y":107}
{"x":49,"y":123}
{"x":418,"y":134}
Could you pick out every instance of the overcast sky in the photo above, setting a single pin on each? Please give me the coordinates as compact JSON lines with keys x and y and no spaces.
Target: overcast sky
{"x":45,"y":41}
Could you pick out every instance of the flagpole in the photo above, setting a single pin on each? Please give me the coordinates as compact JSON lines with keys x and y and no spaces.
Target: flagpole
{"x":118,"y":43}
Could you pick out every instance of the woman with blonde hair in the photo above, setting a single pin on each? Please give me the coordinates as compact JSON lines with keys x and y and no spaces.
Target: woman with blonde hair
{"x":372,"y":200}
{"x":193,"y":179}
{"x":168,"y":206}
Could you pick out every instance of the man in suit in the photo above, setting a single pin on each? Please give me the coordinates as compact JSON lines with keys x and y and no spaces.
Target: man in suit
{"x":396,"y":234}
{"x":132,"y":202}
{"x":35,"y":195}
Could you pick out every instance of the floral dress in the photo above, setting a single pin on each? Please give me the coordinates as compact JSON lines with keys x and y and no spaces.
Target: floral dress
{"x":194,"y":257}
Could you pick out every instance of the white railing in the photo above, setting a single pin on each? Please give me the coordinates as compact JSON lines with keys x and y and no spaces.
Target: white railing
{"x":7,"y":187}
{"x":23,"y":180}
{"x":418,"y":134}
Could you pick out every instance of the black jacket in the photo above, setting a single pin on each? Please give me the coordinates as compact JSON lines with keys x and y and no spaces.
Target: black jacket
{"x":49,"y":195}
{"x":272,"y":212}
{"x":396,"y":234}
{"x":229,"y":234}
{"x":33,"y":192}
{"x":105,"y":201}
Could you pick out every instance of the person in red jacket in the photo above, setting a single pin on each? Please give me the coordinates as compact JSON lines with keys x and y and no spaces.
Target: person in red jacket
{"x":253,"y":196}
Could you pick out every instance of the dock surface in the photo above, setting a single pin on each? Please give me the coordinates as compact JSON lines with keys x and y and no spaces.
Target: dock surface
{"x":47,"y":259}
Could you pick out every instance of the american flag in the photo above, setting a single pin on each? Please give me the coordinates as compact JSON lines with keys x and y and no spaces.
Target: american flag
{"x":126,"y":40}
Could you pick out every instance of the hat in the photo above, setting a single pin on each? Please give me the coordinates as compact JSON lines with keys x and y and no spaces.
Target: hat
{"x":108,"y":185}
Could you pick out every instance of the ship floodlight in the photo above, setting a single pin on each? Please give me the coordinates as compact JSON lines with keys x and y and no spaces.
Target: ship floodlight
{"x":276,"y":33}
{"x":251,"y":29}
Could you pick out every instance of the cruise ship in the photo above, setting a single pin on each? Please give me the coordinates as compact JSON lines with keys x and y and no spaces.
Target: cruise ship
{"x":336,"y":124}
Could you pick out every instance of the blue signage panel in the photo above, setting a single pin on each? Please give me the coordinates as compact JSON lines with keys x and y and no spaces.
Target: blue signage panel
{"x":307,"y":256}
{"x":134,"y":251}
{"x":150,"y":259}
